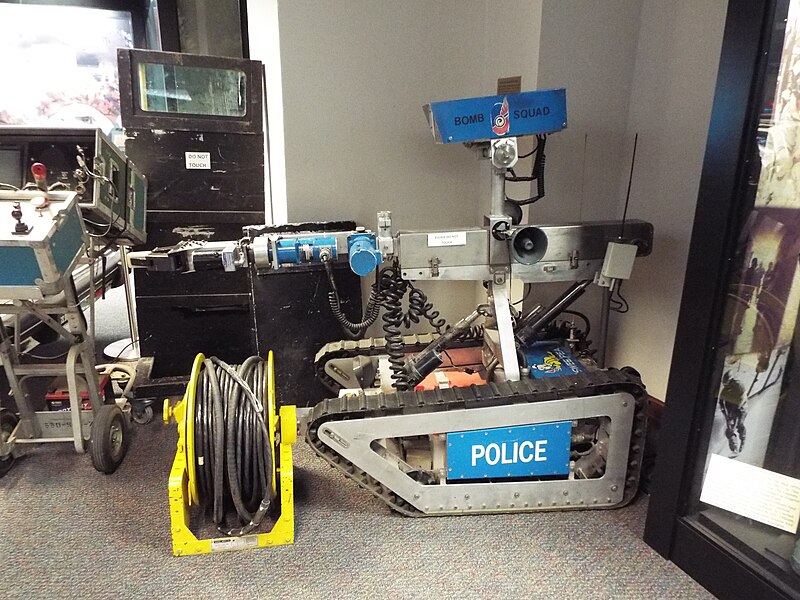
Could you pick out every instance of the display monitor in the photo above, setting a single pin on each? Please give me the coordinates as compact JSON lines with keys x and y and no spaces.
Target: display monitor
{"x":59,"y":65}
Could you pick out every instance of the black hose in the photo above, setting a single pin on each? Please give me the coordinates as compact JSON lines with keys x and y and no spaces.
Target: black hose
{"x":537,"y":174}
{"x":419,"y":307}
{"x":393,"y":288}
{"x":232,"y":450}
{"x":387,"y":294}
{"x":354,"y":331}
{"x":582,"y":316}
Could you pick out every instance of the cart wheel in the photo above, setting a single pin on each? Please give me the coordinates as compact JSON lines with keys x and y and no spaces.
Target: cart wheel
{"x":8,"y":421}
{"x":109,"y":441}
{"x":142,"y":416}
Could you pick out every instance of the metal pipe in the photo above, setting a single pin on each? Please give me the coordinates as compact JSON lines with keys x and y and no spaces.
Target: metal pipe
{"x":498,"y":191}
{"x":130,"y":301}
{"x":430,"y":358}
{"x":604,"y":313}
{"x":574,"y":292}
{"x":528,"y":318}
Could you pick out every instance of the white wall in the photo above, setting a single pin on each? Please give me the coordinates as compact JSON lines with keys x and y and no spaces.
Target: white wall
{"x":355,"y":75}
{"x":670,"y":106}
{"x":592,"y":54}
{"x":635,"y":66}
{"x":265,"y":45}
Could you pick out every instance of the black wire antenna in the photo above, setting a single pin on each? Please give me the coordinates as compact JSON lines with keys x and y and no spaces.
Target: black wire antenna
{"x":630,"y":181}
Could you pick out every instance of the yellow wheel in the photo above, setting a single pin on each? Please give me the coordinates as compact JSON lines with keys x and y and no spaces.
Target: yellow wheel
{"x":271,"y":418}
{"x":188,"y":431}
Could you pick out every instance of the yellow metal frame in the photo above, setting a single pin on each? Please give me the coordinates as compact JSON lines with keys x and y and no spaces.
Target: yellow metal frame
{"x":183,"y":483}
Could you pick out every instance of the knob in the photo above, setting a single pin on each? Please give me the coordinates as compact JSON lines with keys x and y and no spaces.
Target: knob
{"x":19,"y":226}
{"x":39,"y":172}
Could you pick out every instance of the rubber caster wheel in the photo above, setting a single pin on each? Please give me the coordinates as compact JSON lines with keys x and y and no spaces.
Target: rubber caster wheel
{"x":8,"y":421}
{"x":109,"y":441}
{"x":142,"y":416}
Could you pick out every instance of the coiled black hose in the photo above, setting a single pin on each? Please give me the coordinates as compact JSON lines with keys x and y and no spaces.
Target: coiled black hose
{"x":387,"y":293}
{"x":418,"y":307}
{"x":475,"y":332}
{"x":354,"y":331}
{"x":392,"y":289}
{"x":232,"y":450}
{"x":537,"y":174}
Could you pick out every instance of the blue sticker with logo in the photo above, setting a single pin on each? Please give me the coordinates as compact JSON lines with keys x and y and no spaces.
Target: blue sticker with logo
{"x":522,"y":451}
{"x":551,"y":359}
{"x":490,"y":117}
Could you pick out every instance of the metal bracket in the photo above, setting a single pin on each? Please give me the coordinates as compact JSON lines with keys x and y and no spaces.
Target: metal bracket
{"x":508,"y":350}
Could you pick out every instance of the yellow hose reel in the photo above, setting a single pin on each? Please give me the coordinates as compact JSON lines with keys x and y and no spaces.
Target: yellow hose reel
{"x":184,"y":494}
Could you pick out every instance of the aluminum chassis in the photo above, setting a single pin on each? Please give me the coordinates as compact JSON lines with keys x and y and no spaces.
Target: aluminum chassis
{"x":342,"y":432}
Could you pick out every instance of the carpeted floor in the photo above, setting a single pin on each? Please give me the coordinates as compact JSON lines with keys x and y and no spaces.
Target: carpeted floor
{"x":68,"y":531}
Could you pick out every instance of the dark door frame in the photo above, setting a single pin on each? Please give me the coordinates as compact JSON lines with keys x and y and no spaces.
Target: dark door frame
{"x":725,"y":196}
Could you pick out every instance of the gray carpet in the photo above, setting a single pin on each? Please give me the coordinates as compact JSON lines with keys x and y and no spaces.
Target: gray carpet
{"x":67,"y":531}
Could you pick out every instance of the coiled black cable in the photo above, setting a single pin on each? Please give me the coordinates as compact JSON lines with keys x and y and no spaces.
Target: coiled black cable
{"x":474,"y":332}
{"x":233,"y":454}
{"x":418,"y":307}
{"x":537,"y":174}
{"x":354,"y":331}
{"x":392,"y":289}
{"x":387,"y":294}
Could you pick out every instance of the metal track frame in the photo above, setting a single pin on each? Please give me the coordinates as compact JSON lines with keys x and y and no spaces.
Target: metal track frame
{"x":581,"y":393}
{"x":352,"y":439}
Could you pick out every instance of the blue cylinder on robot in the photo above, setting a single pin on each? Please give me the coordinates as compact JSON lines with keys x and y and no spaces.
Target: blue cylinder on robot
{"x":304,"y":250}
{"x":363,"y":253}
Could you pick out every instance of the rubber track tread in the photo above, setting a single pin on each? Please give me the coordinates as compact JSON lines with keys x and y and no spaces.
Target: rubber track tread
{"x":363,"y":406}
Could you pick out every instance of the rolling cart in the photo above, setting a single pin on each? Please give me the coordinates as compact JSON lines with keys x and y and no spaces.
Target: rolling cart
{"x":42,"y":238}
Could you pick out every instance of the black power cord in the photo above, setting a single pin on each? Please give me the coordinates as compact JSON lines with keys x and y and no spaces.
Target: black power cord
{"x":354,"y":331}
{"x":233,"y":455}
{"x":581,"y":316}
{"x":618,"y":304}
{"x":537,"y":173}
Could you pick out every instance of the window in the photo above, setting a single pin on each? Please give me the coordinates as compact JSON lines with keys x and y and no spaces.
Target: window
{"x":192,"y":90}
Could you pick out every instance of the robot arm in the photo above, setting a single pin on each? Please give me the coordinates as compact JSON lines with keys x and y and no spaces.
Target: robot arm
{"x":265,"y":252}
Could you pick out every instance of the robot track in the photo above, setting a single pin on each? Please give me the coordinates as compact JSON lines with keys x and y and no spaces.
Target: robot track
{"x":576,"y":395}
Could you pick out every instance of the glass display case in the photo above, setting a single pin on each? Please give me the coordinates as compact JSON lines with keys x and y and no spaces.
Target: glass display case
{"x":726,"y":499}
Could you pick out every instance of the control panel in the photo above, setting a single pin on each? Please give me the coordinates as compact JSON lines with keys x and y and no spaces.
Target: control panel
{"x":111,"y":191}
{"x":42,"y":236}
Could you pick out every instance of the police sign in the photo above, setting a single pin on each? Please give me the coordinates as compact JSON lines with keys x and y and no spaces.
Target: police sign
{"x":522,"y":451}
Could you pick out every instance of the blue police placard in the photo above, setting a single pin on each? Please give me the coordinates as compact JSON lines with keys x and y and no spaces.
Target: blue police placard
{"x":521,"y":451}
{"x":491,"y":117}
